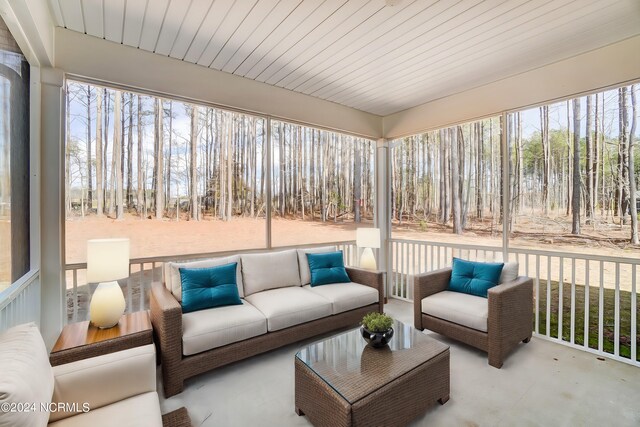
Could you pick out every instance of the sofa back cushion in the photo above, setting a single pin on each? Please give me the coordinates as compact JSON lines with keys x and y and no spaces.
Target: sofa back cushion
{"x":209,"y":287}
{"x":269,"y":270}
{"x":327,"y":268}
{"x":25,"y":375}
{"x":305,"y":274}
{"x":173,"y":282}
{"x":509,"y":272}
{"x":474,"y":278}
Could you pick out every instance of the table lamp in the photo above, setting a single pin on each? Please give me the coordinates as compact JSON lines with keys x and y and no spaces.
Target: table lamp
{"x":107,"y":262}
{"x":368,"y":238}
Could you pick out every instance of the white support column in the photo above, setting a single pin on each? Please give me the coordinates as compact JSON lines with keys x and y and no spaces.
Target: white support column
{"x":506,"y":183}
{"x":382,"y":203}
{"x":52,"y":204}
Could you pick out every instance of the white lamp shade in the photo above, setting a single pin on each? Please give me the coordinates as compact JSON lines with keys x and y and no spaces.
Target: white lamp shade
{"x":107,"y":305}
{"x":107,"y":259}
{"x":368,"y":237}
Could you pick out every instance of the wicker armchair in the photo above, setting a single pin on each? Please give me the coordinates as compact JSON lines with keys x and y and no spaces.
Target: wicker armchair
{"x":509,"y":318}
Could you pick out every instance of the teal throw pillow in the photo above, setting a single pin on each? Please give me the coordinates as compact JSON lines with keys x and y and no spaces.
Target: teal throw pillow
{"x":209,"y":287}
{"x":327,"y":268}
{"x":474,"y":278}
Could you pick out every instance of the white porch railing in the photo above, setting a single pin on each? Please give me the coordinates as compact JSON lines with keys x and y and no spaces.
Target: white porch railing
{"x":144,"y":271}
{"x":582,"y":300}
{"x":20,"y":303}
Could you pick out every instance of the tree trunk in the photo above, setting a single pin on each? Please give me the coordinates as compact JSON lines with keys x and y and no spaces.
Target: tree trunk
{"x":117,"y":147}
{"x":67,"y":155}
{"x":357,"y":182}
{"x":140,"y":192}
{"x":194,"y":158}
{"x":575,"y":201}
{"x":130,"y":155}
{"x":589,"y":165}
{"x":99,"y":183}
{"x":455,"y":182}
{"x":89,"y":165}
{"x":159,"y":161}
{"x":632,"y":176}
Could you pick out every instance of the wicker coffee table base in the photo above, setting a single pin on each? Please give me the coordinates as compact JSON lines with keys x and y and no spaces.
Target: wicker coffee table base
{"x":396,"y":404}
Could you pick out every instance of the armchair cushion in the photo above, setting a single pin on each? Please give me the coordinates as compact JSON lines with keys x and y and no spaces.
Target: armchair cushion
{"x":474,"y":278}
{"x":456,"y":307}
{"x":509,"y":272}
{"x":105,"y":379}
{"x":305,"y":273}
{"x":327,"y":268}
{"x":142,"y":410}
{"x":346,"y":296}
{"x":209,"y":287}
{"x":25,"y":375}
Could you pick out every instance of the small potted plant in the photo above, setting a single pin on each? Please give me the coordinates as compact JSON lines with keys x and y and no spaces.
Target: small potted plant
{"x":377,"y":329}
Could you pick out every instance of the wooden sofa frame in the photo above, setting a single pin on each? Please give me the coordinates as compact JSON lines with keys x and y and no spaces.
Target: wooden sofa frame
{"x":166,"y":317}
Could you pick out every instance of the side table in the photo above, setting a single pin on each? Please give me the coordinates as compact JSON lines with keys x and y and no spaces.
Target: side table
{"x":82,"y":340}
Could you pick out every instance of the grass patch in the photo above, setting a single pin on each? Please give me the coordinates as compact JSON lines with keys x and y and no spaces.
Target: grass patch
{"x":608,"y":320}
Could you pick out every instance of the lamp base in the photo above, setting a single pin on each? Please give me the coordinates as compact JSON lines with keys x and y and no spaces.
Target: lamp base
{"x":107,"y":305}
{"x":368,"y":260}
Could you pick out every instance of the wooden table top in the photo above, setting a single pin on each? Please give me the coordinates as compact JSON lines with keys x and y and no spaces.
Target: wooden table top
{"x":83,"y":333}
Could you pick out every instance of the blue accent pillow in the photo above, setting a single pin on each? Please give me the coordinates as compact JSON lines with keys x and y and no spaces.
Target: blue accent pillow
{"x":327,"y":268}
{"x":474,"y":278}
{"x":209,"y":287}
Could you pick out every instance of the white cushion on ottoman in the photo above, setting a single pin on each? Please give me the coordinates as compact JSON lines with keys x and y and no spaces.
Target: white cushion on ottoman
{"x":345,"y":296}
{"x":25,"y":375}
{"x":289,"y":306}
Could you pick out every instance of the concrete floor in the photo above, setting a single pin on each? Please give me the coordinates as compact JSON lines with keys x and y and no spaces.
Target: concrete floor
{"x":540,"y":384}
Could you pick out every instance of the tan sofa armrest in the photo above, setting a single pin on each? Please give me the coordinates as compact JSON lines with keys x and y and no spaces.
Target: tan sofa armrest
{"x":426,"y":284}
{"x":511,"y":310}
{"x":103,"y":380}
{"x":371,"y":278}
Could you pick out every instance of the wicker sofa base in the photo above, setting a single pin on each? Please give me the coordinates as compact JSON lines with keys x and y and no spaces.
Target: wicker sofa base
{"x":177,"y":418}
{"x":396,"y":404}
{"x":174,"y":374}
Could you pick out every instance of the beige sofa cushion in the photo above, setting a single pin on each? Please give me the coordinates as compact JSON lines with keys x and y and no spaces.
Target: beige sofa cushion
{"x":214,"y":327}
{"x":289,"y":306}
{"x":142,"y":410}
{"x":345,"y":296}
{"x":171,"y":272}
{"x":509,"y":272}
{"x":305,"y":273}
{"x":269,"y":270}
{"x":25,"y":375}
{"x":466,"y":310}
{"x":103,"y":380}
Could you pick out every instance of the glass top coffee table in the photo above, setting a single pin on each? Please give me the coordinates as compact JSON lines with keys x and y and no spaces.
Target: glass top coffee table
{"x":343,"y":381}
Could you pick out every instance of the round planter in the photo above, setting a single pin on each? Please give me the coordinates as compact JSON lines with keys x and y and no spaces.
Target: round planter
{"x":377,"y":339}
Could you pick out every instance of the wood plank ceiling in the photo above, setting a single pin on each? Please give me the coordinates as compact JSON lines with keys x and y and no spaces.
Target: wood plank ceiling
{"x":360,"y":53}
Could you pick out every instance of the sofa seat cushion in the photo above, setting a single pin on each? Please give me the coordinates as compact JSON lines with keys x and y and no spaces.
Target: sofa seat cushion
{"x":345,"y":296}
{"x":214,"y":327}
{"x":269,"y":270}
{"x":142,"y":410}
{"x":285,"y":307}
{"x":464,"y":309}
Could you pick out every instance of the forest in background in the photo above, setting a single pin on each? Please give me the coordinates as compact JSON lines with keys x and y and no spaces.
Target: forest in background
{"x":135,"y":155}
{"x":574,"y":168}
